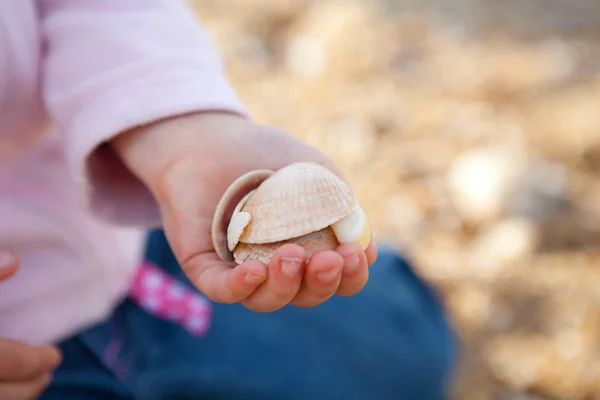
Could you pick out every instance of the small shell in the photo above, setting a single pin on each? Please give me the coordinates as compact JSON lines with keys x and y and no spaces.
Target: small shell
{"x":296,"y":200}
{"x":232,"y":197}
{"x":323,"y":239}
{"x":239,"y":221}
{"x":355,"y":228}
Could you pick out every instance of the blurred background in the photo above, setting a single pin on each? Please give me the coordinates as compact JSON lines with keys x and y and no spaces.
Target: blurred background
{"x":470,"y":130}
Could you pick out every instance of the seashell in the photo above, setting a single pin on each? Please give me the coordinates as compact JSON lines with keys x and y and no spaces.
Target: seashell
{"x":298,"y":199}
{"x":233,"y":196}
{"x":302,"y":203}
{"x":239,"y":220}
{"x":323,"y":239}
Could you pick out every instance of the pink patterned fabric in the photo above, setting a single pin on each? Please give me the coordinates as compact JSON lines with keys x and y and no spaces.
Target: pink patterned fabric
{"x":163,"y":296}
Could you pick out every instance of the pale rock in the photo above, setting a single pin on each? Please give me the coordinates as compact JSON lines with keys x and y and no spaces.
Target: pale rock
{"x":518,"y":361}
{"x":405,"y":218}
{"x":541,"y":191}
{"x":306,"y":56}
{"x":504,"y":243}
{"x":253,"y":49}
{"x":480,"y":183}
{"x":562,"y":57}
{"x":351,"y":138}
{"x":569,"y":343}
{"x":473,"y":305}
{"x":335,"y":37}
{"x":470,"y":121}
{"x":502,"y":318}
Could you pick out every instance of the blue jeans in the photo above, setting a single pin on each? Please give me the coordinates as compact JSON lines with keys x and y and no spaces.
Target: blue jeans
{"x":391,"y":341}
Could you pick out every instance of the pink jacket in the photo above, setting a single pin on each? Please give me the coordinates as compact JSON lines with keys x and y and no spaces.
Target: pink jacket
{"x":72,"y":75}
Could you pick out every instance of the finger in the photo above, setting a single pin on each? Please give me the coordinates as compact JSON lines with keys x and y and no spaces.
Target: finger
{"x":285,"y":277}
{"x":356,"y":269}
{"x":321,"y":279}
{"x":223,"y":282}
{"x":8,"y":265}
{"x":29,"y":390}
{"x":371,"y":253}
{"x":20,"y":361}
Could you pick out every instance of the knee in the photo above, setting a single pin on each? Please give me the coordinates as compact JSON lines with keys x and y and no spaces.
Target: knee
{"x":432,"y":356}
{"x":420,"y":323}
{"x":396,"y":286}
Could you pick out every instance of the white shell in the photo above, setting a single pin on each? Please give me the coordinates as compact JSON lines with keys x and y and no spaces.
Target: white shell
{"x":239,"y":221}
{"x":354,"y":228}
{"x":296,"y":200}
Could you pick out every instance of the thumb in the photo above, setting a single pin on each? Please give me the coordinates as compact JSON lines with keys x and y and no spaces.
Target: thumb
{"x":8,"y":265}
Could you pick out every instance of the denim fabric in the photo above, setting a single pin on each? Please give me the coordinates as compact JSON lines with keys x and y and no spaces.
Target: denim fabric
{"x":391,"y":341}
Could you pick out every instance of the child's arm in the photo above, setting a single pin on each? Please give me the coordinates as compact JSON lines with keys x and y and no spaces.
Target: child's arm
{"x":111,"y":65}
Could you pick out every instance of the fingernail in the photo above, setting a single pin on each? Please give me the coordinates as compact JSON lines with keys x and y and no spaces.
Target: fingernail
{"x":352,"y":262}
{"x":7,"y":260}
{"x":328,"y":276}
{"x":253,"y":279}
{"x":291,"y":266}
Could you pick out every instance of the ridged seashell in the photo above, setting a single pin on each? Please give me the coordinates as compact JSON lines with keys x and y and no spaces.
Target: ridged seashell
{"x":298,"y":199}
{"x":303,"y":203}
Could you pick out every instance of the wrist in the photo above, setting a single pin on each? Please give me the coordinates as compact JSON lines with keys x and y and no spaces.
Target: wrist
{"x":148,"y":151}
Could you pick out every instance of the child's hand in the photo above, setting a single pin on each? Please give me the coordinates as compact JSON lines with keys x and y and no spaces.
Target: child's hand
{"x":8,"y":265}
{"x":188,"y":163}
{"x":25,"y":370}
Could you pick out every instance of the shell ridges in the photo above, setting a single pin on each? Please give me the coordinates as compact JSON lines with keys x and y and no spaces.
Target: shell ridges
{"x":296,"y":200}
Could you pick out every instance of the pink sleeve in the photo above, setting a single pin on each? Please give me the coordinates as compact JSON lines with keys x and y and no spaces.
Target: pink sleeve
{"x":110,"y":65}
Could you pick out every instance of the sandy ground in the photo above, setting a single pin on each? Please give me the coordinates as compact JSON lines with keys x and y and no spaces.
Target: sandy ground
{"x":471,"y":132}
